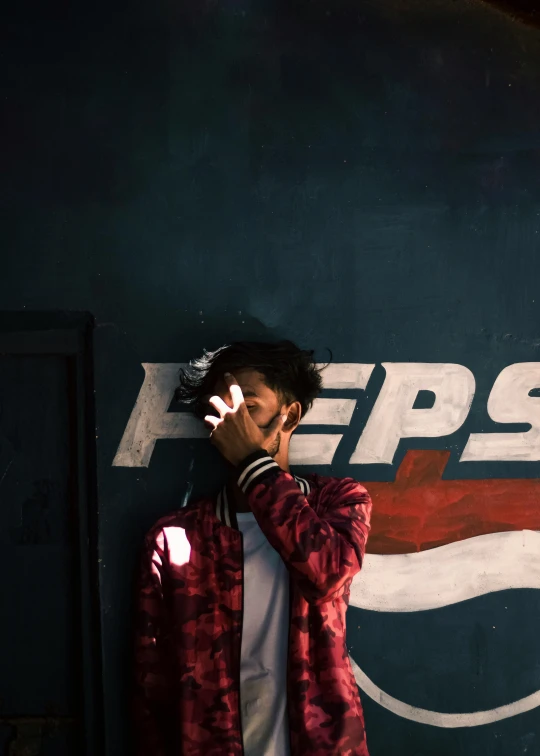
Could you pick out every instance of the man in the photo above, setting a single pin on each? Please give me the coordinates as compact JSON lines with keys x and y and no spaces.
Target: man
{"x":240,"y":640}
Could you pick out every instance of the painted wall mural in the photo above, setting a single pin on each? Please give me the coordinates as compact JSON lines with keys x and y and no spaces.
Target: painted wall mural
{"x":393,"y":417}
{"x":434,"y":542}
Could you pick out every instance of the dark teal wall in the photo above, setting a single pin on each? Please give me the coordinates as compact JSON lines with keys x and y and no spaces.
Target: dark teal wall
{"x":359,"y":176}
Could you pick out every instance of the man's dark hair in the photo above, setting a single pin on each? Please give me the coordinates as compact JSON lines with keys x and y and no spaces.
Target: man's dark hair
{"x":288,"y":370}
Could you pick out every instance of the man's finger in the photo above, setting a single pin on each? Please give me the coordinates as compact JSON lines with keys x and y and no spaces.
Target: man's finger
{"x":214,"y":421}
{"x":219,"y":404}
{"x":236,"y":392}
{"x":236,"y":395}
{"x":276,"y":425}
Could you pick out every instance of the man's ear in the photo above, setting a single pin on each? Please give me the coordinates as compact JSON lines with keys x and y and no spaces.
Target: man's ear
{"x":294,"y":415}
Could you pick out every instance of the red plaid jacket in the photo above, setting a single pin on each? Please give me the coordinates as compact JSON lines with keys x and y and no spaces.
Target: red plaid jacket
{"x":190,"y":611}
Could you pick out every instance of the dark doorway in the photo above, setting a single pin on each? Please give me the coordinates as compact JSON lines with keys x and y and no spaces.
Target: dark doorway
{"x":50,"y":699}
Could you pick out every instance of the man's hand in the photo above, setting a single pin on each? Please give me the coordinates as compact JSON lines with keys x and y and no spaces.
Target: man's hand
{"x":235,"y":434}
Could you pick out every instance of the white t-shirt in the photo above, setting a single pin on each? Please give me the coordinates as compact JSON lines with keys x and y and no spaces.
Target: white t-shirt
{"x":263,"y":666}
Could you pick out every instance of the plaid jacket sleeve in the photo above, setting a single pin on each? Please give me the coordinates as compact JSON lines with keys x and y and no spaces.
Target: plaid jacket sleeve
{"x":323,"y":551}
{"x":152,"y":698}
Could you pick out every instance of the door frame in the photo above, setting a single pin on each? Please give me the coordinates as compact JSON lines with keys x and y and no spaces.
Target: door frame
{"x":70,"y":334}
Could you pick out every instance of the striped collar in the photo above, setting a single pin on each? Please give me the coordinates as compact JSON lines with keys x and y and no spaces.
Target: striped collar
{"x":224,"y":505}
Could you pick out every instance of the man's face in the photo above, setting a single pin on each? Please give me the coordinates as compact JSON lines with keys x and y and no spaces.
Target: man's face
{"x":262,"y":403}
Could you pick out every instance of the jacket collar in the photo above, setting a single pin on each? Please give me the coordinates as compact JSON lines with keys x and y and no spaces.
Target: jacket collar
{"x":224,"y":503}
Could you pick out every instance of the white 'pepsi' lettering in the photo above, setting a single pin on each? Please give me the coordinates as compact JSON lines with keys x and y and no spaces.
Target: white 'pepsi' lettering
{"x":393,"y":417}
{"x":510,"y":401}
